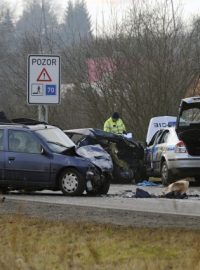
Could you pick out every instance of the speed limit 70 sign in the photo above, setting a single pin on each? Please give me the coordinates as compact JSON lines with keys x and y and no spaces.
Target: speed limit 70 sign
{"x":43,"y":79}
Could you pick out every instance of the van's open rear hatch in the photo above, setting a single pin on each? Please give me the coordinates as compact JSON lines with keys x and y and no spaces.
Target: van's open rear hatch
{"x":188,"y":124}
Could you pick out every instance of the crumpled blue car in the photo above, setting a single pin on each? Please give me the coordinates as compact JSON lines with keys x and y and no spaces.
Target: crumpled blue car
{"x":37,"y":156}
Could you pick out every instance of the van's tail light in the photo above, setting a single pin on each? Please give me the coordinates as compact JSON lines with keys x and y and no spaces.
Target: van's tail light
{"x":180,"y":147}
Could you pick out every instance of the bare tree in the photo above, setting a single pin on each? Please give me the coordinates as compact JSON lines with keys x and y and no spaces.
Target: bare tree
{"x":151,"y":70}
{"x":142,"y":68}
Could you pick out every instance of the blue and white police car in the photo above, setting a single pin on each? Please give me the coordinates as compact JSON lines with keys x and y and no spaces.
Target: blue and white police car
{"x":173,"y":144}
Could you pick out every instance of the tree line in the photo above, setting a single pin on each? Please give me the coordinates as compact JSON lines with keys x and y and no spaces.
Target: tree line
{"x":141,"y":68}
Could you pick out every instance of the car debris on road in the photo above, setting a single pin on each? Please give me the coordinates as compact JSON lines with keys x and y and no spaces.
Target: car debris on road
{"x":176,"y":190}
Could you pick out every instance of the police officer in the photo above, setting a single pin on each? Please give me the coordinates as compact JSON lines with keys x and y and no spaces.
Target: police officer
{"x":115,"y":124}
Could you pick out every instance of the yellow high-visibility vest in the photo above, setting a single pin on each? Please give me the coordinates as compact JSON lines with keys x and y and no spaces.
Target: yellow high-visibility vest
{"x":114,"y":126}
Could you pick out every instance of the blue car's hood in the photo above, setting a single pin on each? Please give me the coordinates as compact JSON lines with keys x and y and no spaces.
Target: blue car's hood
{"x":97,"y":155}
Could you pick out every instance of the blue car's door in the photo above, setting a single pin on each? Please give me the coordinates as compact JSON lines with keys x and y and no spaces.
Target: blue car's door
{"x":24,"y":163}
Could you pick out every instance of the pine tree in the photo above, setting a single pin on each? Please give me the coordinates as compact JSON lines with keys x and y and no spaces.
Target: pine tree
{"x":38,"y":22}
{"x":77,"y":24}
{"x":7,"y":32}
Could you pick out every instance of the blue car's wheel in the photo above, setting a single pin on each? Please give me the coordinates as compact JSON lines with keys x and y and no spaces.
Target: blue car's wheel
{"x":72,"y":182}
{"x":101,"y":190}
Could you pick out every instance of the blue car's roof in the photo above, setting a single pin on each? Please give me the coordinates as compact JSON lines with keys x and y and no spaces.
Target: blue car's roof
{"x":22,"y":126}
{"x":190,"y":100}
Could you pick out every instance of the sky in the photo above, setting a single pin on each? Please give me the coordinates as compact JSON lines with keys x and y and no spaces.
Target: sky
{"x":99,"y":9}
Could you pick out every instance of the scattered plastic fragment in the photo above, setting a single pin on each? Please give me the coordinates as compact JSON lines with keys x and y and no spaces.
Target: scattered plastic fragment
{"x":147,"y":183}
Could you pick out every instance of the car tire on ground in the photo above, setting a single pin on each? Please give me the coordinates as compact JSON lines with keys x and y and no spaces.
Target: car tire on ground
{"x":102,"y":190}
{"x":72,"y":183}
{"x":165,"y":174}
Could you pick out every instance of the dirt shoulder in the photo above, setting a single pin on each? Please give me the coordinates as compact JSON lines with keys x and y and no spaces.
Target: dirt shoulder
{"x":99,"y":215}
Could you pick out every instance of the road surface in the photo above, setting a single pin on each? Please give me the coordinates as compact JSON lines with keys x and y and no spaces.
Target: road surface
{"x":117,"y":207}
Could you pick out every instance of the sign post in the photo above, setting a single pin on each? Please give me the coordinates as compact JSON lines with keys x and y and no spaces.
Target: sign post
{"x":43,"y":82}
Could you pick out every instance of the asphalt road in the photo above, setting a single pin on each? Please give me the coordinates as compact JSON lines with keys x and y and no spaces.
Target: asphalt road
{"x":118,"y":207}
{"x":120,"y":197}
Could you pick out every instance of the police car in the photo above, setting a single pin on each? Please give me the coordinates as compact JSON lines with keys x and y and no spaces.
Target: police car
{"x":173,"y":144}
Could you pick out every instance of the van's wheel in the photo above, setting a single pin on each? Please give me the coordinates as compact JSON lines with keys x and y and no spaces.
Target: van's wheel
{"x":102,"y":190}
{"x":165,"y":174}
{"x":72,"y":182}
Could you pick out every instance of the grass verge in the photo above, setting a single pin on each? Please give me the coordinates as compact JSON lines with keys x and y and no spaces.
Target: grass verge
{"x":30,"y":243}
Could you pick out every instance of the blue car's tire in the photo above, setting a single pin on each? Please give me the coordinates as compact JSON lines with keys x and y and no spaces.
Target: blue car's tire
{"x":101,"y":190}
{"x":72,"y":183}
